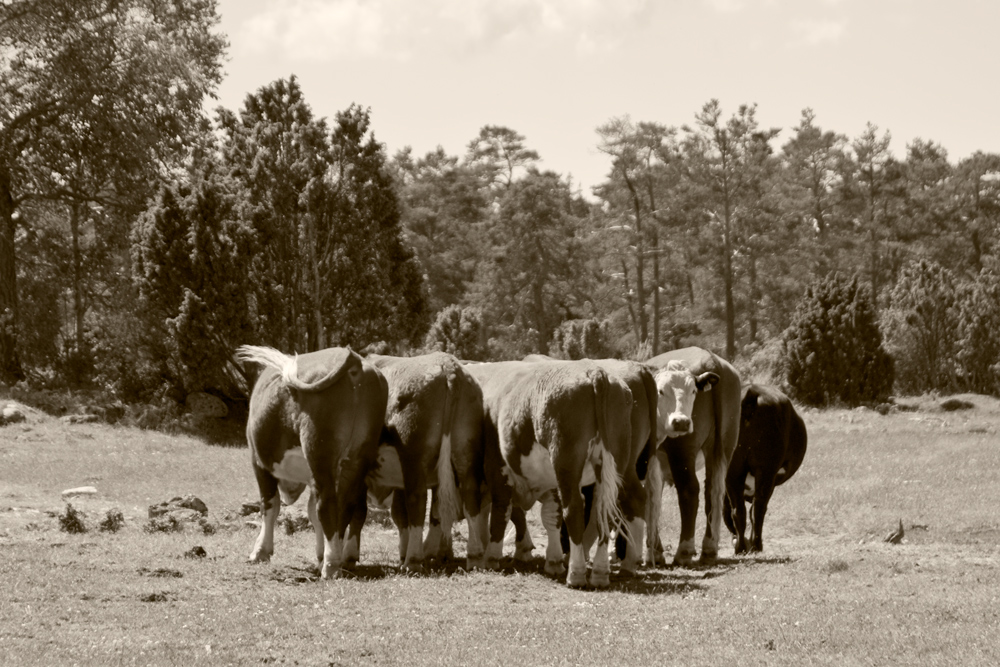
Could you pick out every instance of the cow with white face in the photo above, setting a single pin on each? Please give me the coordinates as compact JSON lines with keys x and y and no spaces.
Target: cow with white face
{"x":315,"y":420}
{"x":698,"y":418}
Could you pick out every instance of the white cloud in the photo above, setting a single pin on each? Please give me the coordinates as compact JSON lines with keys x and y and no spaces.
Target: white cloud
{"x":812,"y":32}
{"x":394,"y":29}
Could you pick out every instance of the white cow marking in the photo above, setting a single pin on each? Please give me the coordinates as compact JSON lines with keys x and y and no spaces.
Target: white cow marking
{"x":293,"y":467}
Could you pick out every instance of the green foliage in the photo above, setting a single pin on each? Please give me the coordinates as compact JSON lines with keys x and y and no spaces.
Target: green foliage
{"x":834,"y":347}
{"x":535,"y":277}
{"x":190,"y":268}
{"x":978,"y":347}
{"x":581,"y":339}
{"x":97,"y":98}
{"x":458,"y":331}
{"x":112,"y":522}
{"x":920,"y":327}
{"x":71,"y":521}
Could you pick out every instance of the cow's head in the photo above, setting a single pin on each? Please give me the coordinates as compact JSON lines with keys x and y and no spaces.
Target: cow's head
{"x":677,"y":387}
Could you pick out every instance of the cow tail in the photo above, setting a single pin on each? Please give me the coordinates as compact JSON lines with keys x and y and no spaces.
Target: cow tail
{"x":606,"y":507}
{"x":448,"y":504}
{"x":288,"y":367}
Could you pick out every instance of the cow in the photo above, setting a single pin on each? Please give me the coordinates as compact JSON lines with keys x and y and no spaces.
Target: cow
{"x":315,"y":420}
{"x":698,"y":412}
{"x":547,"y":427}
{"x":642,"y":427}
{"x":771,"y":447}
{"x":432,"y":437}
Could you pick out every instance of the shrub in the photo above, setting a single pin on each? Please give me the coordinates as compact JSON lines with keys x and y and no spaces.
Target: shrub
{"x":581,"y":339}
{"x":920,"y":327}
{"x":112,"y":522}
{"x":978,"y":354}
{"x":458,"y":331}
{"x":71,"y":521}
{"x":833,"y":348}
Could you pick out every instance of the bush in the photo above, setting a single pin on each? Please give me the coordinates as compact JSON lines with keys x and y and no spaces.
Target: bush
{"x":978,"y":354}
{"x":112,"y":522}
{"x":833,"y":348}
{"x":581,"y":339}
{"x":921,"y":325}
{"x":458,"y":331}
{"x":71,"y":521}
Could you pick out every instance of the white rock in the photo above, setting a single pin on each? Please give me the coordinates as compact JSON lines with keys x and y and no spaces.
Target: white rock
{"x":79,"y":491}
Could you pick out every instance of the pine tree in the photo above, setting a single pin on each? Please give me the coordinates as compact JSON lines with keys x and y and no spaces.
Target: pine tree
{"x":834,"y":347}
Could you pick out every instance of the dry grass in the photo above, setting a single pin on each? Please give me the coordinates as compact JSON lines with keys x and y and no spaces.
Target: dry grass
{"x":827,"y":590}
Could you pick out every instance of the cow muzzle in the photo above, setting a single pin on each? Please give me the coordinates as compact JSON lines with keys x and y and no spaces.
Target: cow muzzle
{"x":678,"y":425}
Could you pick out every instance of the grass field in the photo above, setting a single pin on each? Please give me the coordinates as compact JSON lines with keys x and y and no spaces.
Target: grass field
{"x":827,"y":589}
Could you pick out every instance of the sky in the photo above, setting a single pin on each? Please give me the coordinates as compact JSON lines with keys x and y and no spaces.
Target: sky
{"x":433,"y":72}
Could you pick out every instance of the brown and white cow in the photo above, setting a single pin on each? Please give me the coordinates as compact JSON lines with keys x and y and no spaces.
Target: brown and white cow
{"x":771,"y":448}
{"x":315,"y":420}
{"x":432,"y":437}
{"x":632,"y":463}
{"x":548,"y":425}
{"x":698,"y":413}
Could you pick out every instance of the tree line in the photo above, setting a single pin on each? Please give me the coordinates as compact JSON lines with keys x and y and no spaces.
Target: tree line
{"x":142,"y":240}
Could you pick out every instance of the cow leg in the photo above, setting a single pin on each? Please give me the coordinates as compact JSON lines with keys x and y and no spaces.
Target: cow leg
{"x":633,"y":502}
{"x":654,"y":508}
{"x":478,"y":527}
{"x":398,"y":514}
{"x":434,"y":540}
{"x":600,"y":575}
{"x":736,"y":511}
{"x":500,"y":511}
{"x":317,"y":528}
{"x":551,"y":521}
{"x":761,"y":497}
{"x":715,"y":490}
{"x":523,"y":544}
{"x":357,"y":510}
{"x":270,"y":504}
{"x":415,"y":493}
{"x":682,"y":467}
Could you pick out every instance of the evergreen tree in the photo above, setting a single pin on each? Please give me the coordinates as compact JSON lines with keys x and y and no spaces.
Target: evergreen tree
{"x":834,"y":347}
{"x":459,"y":331}
{"x":978,"y":353}
{"x":190,"y":260}
{"x":920,"y":326}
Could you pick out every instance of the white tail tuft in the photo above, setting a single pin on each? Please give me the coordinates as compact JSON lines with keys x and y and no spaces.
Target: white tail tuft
{"x":268,"y":356}
{"x":606,"y":506}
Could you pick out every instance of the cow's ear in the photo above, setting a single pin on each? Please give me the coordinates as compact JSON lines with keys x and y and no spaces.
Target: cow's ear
{"x":705,"y":381}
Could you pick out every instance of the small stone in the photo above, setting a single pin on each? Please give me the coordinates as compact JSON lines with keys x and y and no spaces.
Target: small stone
{"x":11,"y":414}
{"x":201,"y":404}
{"x":79,"y":491}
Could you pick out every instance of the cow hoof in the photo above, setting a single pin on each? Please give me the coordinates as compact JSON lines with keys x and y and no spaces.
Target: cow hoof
{"x":600,"y":579}
{"x":493,"y":564}
{"x":260,"y":557}
{"x":555,"y":568}
{"x":577,"y":579}
{"x":331,"y":572}
{"x":350,"y":564}
{"x":624,"y":573}
{"x":683,"y":560}
{"x":475,"y":563}
{"x":523,"y":555}
{"x":708,"y":559}
{"x":414,"y":568}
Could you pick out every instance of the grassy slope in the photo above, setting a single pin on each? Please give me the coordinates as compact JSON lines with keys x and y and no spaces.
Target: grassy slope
{"x":827,"y":590}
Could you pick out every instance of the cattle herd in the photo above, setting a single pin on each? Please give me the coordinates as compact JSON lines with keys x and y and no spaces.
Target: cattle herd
{"x":592,"y":441}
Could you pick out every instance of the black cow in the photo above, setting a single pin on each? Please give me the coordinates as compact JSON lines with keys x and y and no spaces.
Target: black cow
{"x":771,"y":447}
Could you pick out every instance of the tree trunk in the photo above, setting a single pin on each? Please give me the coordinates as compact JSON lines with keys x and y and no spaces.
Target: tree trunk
{"x":656,"y":294}
{"x":10,"y":365}
{"x":727,"y":279}
{"x":78,"y":310}
{"x":754,"y":296}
